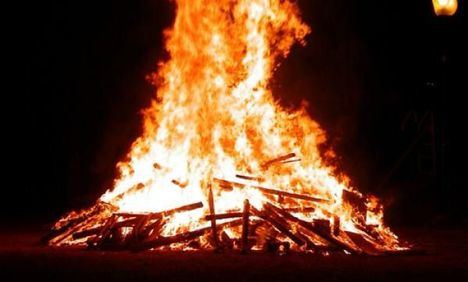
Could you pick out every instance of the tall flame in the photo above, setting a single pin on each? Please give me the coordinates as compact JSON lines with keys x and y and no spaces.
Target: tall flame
{"x":214,"y":116}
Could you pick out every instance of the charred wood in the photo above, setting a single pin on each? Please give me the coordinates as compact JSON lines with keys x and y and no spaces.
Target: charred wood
{"x":177,"y":210}
{"x":253,"y":178}
{"x":96,"y":230}
{"x":267,"y":164}
{"x":189,"y":235}
{"x":245,"y":247}
{"x":224,"y":216}
{"x":291,"y":161}
{"x":97,"y":241}
{"x":73,"y":224}
{"x":300,"y":209}
{"x":214,"y":232}
{"x":280,"y":226}
{"x":336,"y":226}
{"x":231,"y":184}
{"x":319,"y":228}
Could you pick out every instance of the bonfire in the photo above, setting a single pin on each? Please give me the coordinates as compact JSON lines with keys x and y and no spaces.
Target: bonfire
{"x":221,"y":165}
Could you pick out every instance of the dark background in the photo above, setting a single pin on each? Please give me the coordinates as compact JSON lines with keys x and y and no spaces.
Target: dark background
{"x":371,"y":71}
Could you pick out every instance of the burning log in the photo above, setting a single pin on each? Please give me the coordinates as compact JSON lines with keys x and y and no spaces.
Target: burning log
{"x":298,"y":234}
{"x":97,"y":241}
{"x":267,"y":164}
{"x":139,"y":233}
{"x":86,"y":233}
{"x":291,"y":195}
{"x":259,"y":179}
{"x":69,"y":231}
{"x":280,"y":226}
{"x":153,"y":230}
{"x":321,"y":231}
{"x":300,"y":209}
{"x":223,"y":183}
{"x":129,"y":215}
{"x":189,"y":235}
{"x":136,"y":221}
{"x":245,"y":227}
{"x":185,"y":208}
{"x":55,"y":232}
{"x":96,"y":230}
{"x":156,"y":215}
{"x":223,"y":216}
{"x":214,"y":232}
{"x":163,"y":213}
{"x":336,"y":226}
{"x":73,"y":224}
{"x":291,"y":161}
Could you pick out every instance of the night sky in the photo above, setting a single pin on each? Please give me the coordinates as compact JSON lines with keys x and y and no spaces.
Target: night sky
{"x":78,"y":78}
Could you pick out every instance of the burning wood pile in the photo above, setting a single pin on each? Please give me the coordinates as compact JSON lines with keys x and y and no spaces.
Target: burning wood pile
{"x":280,"y":225}
{"x":214,"y":115}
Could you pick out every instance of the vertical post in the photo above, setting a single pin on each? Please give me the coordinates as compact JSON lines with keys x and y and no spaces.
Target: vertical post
{"x":245,"y":227}
{"x":336,"y":226}
{"x":280,"y":199}
{"x":214,"y":231}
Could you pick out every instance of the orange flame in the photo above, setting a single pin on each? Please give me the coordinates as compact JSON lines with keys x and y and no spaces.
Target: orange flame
{"x":214,"y":117}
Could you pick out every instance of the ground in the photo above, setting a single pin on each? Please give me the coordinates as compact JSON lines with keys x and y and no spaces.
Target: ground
{"x":22,"y":258}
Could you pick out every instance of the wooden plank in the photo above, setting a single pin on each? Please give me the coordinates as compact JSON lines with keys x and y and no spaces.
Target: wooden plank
{"x":56,"y":235}
{"x":223,"y":216}
{"x":318,"y":231}
{"x":95,"y":230}
{"x":223,"y":183}
{"x":253,"y":178}
{"x":185,"y":236}
{"x":214,"y":232}
{"x":97,"y":241}
{"x":300,"y":209}
{"x":286,"y":230}
{"x":267,"y":164}
{"x":245,"y":247}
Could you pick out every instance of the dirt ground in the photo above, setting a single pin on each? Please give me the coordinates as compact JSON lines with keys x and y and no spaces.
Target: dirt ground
{"x":23,"y":259}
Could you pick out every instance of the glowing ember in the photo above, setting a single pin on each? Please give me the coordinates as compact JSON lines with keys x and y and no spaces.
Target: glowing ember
{"x":215,"y":137}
